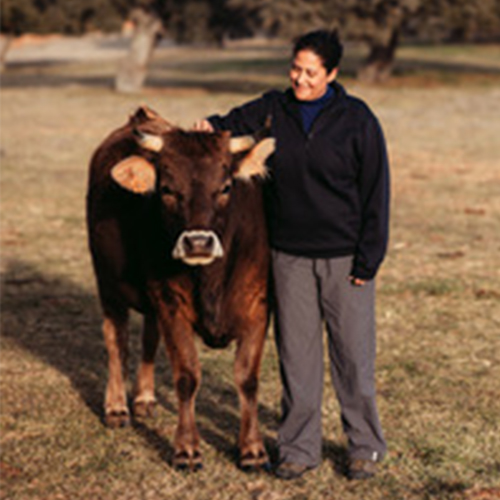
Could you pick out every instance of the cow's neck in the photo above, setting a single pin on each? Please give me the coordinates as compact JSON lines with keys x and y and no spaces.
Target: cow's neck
{"x":208,"y":292}
{"x":208,"y":296}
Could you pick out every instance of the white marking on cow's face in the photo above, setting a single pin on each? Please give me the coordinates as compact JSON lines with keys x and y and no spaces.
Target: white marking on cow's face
{"x":198,"y":247}
{"x":198,"y":261}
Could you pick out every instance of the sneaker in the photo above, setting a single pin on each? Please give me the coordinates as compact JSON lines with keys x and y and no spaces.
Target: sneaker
{"x":290,"y":470}
{"x":361,"y":469}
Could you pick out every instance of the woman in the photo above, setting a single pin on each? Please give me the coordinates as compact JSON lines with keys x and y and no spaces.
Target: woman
{"x":328,"y":219}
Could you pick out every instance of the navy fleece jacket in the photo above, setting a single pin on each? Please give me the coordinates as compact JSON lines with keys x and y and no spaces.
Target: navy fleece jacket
{"x":329,"y":189}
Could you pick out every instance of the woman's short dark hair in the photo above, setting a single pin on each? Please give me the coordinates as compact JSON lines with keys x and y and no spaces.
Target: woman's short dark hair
{"x":323,"y":43}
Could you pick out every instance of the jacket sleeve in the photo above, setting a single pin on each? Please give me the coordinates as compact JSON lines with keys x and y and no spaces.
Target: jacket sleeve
{"x":245,"y":119}
{"x":374,"y":192}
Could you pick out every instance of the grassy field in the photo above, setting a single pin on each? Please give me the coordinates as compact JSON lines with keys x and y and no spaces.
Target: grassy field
{"x":438,"y":293}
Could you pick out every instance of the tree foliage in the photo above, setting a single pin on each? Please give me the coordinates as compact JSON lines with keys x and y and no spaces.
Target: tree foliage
{"x":184,"y":21}
{"x":382,"y":23}
{"x":458,"y":20}
{"x":281,"y":17}
{"x":59,"y":16}
{"x":202,"y":20}
{"x":378,"y":23}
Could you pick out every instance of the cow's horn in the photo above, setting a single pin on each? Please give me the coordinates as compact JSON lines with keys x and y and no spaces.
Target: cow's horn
{"x":240,"y":144}
{"x":149,"y":141}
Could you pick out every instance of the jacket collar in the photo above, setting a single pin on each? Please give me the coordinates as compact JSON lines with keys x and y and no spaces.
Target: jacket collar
{"x":337,"y":99}
{"x":337,"y":102}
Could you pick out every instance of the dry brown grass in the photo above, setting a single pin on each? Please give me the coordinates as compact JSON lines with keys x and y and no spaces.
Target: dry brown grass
{"x":439,"y":302}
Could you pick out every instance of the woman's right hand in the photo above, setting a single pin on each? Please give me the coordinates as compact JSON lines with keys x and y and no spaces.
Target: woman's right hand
{"x":203,"y":126}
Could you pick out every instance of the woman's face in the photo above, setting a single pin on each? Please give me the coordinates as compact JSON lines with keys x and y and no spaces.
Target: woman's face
{"x":309,"y":77}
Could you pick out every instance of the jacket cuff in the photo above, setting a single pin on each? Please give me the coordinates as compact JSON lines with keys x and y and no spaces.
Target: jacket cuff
{"x":363,"y":274}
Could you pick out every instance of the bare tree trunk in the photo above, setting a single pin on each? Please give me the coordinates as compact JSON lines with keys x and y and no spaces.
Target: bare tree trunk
{"x":5,"y":40}
{"x":132,"y":71}
{"x":380,"y":62}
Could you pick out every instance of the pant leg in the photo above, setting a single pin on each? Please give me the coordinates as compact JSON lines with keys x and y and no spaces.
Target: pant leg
{"x":349,"y":313}
{"x":298,"y":328}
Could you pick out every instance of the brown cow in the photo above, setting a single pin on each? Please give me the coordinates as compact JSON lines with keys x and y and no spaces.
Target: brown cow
{"x":177,"y":232}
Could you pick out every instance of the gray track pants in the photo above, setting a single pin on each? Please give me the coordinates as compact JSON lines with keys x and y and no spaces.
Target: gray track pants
{"x":309,"y":291}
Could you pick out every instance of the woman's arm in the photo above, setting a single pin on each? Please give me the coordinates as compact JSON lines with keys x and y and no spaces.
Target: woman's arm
{"x":242,"y":120}
{"x":374,"y":191}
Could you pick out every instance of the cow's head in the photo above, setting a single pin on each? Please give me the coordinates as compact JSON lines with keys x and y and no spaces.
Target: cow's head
{"x":193,"y":175}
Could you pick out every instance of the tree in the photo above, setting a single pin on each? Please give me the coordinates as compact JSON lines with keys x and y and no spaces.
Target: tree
{"x":185,"y":21}
{"x":71,"y":17}
{"x":375,"y":22}
{"x":380,"y":24}
{"x":58,"y":16}
{"x":281,"y":17}
{"x":148,"y":28}
{"x":4,"y":47}
{"x":461,"y":20}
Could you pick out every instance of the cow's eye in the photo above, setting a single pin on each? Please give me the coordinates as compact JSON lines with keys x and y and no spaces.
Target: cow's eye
{"x":226,"y":189}
{"x":165,"y":191}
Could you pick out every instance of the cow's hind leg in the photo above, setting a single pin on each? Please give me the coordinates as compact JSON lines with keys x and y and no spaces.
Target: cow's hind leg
{"x":145,"y":400}
{"x":116,"y":338}
{"x":248,"y":355}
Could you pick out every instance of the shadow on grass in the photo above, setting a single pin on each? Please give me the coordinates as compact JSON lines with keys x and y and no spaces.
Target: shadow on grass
{"x":228,"y":76}
{"x":59,"y":322}
{"x":214,"y":86}
{"x":438,"y":488}
{"x":26,"y":79}
{"x":410,"y":65}
{"x":337,"y":455}
{"x":350,"y":65}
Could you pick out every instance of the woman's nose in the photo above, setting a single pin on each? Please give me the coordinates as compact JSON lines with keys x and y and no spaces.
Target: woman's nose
{"x":300,"y":78}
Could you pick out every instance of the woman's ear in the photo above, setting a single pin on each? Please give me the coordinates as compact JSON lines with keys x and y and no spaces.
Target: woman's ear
{"x":332,"y":75}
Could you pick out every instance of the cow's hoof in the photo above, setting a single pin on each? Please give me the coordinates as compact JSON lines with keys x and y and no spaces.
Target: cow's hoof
{"x":145,"y":409}
{"x":188,"y":468}
{"x":266,"y":466}
{"x":252,"y":463}
{"x":183,"y":461}
{"x":253,"y":468}
{"x":117,"y":419}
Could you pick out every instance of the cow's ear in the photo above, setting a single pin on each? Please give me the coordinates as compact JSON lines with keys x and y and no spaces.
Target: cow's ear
{"x":144,"y":113}
{"x":148,"y":128}
{"x":135,"y":174}
{"x":254,"y":163}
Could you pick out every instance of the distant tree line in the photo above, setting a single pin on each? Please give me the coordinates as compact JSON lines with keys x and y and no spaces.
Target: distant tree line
{"x":381,"y":24}
{"x":185,"y":20}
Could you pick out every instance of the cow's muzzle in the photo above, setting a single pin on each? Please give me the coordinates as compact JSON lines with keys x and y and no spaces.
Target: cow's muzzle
{"x":197,"y":247}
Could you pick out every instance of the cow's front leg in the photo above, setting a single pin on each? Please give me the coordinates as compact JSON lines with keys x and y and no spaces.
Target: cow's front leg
{"x":115,"y":335}
{"x":179,"y":340}
{"x":145,"y":400}
{"x":248,"y":356}
{"x":187,"y":378}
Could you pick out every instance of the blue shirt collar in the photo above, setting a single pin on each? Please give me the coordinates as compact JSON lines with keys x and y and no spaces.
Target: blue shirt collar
{"x":321,"y":100}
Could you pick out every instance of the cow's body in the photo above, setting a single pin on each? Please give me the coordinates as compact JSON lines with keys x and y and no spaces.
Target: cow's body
{"x":176,"y":236}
